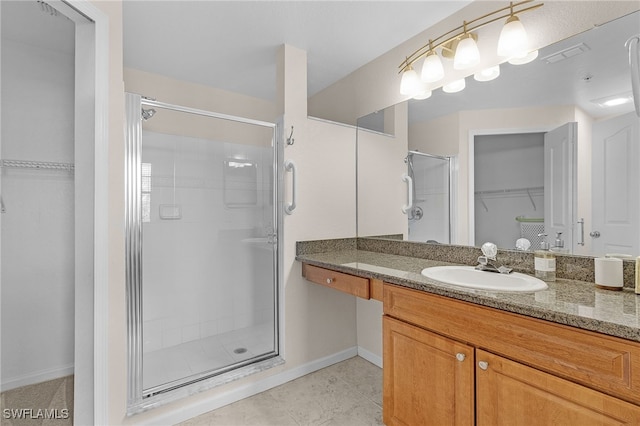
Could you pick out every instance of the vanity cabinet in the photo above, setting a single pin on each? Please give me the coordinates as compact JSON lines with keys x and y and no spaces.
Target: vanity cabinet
{"x":428,"y":379}
{"x":453,"y":362}
{"x":364,"y":288}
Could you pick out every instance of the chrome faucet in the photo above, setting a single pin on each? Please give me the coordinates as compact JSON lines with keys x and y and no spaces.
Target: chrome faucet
{"x":489,"y":251}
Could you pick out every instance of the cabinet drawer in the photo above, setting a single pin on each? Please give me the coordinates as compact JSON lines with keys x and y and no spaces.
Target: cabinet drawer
{"x":337,"y":280}
{"x":606,"y":363}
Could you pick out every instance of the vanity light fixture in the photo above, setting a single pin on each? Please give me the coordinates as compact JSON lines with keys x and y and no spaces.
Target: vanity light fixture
{"x":525,"y":59}
{"x":410,"y":83}
{"x":425,"y":94}
{"x":513,"y":41}
{"x":455,"y":86}
{"x":487,"y":74}
{"x":467,"y":53}
{"x":432,"y":69}
{"x":460,"y":45}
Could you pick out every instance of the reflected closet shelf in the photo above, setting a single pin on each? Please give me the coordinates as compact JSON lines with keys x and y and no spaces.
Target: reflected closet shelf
{"x":45,"y":165}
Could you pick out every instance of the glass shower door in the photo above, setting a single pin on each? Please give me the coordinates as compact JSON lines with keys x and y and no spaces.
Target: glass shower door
{"x":429,"y":219}
{"x":207,"y":226}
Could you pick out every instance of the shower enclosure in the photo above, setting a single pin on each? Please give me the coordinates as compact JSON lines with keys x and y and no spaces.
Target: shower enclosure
{"x":430,"y":214}
{"x":201,"y":247}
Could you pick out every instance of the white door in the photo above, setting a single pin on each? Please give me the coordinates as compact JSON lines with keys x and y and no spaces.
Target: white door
{"x":616,"y":192}
{"x":559,"y":183}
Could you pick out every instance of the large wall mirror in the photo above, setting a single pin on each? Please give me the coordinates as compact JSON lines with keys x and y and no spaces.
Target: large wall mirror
{"x":542,"y":149}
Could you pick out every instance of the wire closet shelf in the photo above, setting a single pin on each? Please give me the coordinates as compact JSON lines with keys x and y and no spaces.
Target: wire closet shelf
{"x":44,"y":165}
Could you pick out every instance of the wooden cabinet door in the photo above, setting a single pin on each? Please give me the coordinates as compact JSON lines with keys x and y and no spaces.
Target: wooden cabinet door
{"x":428,"y":379}
{"x":509,"y":393}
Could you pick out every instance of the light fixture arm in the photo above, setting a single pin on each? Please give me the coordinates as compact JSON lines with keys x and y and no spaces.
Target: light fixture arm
{"x":466,"y":27}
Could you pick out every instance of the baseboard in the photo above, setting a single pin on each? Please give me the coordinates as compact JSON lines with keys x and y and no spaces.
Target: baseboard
{"x":37,"y":377}
{"x":370,"y":356}
{"x":189,"y":411}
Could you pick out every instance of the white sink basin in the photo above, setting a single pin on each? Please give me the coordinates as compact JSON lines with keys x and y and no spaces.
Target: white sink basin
{"x":468,"y":276}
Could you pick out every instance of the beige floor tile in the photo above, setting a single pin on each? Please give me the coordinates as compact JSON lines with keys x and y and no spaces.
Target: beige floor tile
{"x":259,"y":409}
{"x":345,"y":394}
{"x":50,"y":397}
{"x":363,"y":376}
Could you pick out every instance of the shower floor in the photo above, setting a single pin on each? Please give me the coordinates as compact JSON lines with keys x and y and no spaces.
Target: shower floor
{"x":176,"y":362}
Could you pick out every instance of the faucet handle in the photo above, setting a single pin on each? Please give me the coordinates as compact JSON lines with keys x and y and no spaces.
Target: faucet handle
{"x":490,"y":250}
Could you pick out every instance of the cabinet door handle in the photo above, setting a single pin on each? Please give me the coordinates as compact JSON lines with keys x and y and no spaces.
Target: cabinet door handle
{"x":460,"y":356}
{"x":329,"y":280}
{"x":483,"y":365}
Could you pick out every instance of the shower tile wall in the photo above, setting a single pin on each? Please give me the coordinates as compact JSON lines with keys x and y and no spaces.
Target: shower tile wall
{"x":198,"y":278}
{"x":431,"y":180}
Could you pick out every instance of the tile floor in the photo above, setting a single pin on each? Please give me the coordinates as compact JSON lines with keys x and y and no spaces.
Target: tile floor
{"x":210,"y":353}
{"x":345,"y":394}
{"x":54,"y":396}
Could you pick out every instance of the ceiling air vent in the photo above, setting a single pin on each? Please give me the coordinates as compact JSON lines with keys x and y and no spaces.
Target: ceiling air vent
{"x":567,"y":53}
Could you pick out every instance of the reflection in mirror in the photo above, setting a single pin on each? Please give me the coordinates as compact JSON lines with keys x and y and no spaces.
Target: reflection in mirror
{"x":514,"y":178}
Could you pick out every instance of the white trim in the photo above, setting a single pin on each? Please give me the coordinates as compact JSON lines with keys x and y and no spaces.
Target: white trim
{"x":370,"y":356}
{"x":187,"y":412}
{"x":101,"y":222}
{"x":37,"y":377}
{"x":471,"y":168}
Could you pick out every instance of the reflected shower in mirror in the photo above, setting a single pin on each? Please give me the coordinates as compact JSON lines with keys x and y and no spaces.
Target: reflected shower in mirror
{"x":585,"y":189}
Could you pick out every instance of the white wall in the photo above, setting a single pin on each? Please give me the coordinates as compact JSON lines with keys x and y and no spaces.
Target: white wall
{"x":38,"y":227}
{"x":381,"y":191}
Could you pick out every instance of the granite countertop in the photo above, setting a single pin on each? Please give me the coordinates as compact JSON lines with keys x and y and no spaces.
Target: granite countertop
{"x":570,"y":302}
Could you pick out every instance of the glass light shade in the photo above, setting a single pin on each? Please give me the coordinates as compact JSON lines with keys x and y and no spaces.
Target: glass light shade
{"x":425,"y":94}
{"x":521,"y":60}
{"x":432,"y":69}
{"x":454,"y":86}
{"x":487,"y":74}
{"x":467,"y":54}
{"x":513,"y":41}
{"x":410,"y":83}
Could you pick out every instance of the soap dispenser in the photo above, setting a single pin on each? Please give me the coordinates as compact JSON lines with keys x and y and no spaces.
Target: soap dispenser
{"x":544,"y":261}
{"x":559,"y":242}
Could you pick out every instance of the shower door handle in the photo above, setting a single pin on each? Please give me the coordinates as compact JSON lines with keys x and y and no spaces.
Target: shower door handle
{"x":290,"y":166}
{"x":409,"y":206}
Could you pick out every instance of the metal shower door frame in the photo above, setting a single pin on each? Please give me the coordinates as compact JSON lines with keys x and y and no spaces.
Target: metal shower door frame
{"x":453,"y":171}
{"x":137,"y":401}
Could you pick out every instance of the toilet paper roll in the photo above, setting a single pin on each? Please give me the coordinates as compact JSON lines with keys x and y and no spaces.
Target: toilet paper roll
{"x":608,"y":271}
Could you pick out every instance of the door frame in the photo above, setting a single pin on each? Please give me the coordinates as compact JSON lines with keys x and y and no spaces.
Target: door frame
{"x":94,"y":302}
{"x":453,"y":188}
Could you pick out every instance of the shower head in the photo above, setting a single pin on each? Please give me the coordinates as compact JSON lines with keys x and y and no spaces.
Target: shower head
{"x":148,"y":113}
{"x":46,"y":8}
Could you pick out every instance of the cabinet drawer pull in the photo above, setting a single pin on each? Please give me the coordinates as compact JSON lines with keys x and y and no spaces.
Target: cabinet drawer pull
{"x":483,"y":365}
{"x":329,"y":280}
{"x":460,"y":356}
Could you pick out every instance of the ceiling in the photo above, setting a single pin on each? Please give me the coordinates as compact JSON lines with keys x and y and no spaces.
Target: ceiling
{"x":232,"y":45}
